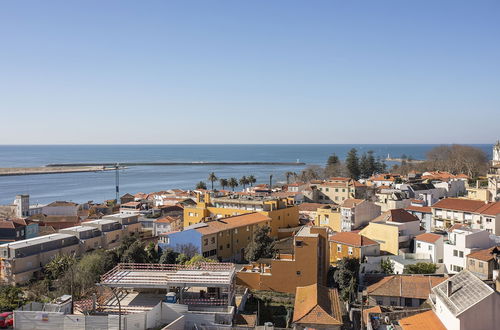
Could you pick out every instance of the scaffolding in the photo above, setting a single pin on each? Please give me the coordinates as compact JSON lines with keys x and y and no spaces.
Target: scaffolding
{"x":217,"y":278}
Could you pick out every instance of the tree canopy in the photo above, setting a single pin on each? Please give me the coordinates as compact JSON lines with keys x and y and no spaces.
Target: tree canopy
{"x":262,"y":246}
{"x":420,"y":268}
{"x":346,"y":277}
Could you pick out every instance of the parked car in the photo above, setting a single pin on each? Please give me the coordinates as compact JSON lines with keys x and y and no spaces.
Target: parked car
{"x":6,"y":320}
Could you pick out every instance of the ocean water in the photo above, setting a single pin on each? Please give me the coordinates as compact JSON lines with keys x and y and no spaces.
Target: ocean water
{"x":81,"y":187}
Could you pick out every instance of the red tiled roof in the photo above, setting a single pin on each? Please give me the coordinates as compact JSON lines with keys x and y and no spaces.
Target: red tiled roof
{"x":428,"y":237}
{"x":422,"y":321}
{"x":316,"y":304}
{"x":236,"y":221}
{"x":459,"y":204}
{"x":490,"y":209}
{"x":352,"y":238}
{"x":166,"y":219}
{"x":414,"y":286}
{"x":351,"y":202}
{"x":485,"y":254}
{"x":396,"y":215}
{"x":310,"y":207}
{"x":422,"y":209}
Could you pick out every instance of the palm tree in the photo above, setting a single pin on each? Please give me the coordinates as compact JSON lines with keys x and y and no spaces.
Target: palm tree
{"x":201,"y":185}
{"x":251,"y":180}
{"x":288,"y":175}
{"x":212,"y":178}
{"x":233,"y":182}
{"x":244,"y":182}
{"x":223,"y":183}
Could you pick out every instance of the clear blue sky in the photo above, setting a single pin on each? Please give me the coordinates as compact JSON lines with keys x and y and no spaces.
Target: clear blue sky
{"x":249,"y":71}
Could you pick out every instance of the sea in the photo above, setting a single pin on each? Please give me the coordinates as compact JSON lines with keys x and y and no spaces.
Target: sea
{"x":100,"y":186}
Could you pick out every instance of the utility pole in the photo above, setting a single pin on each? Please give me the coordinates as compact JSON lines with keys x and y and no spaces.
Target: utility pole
{"x":117,"y":182}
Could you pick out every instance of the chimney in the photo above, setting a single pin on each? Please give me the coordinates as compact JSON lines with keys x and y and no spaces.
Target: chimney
{"x":448,"y":288}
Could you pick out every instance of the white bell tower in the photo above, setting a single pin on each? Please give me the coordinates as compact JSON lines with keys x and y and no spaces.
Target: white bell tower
{"x":496,"y":153}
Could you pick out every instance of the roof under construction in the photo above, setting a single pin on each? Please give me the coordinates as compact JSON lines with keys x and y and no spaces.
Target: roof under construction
{"x":161,"y":276}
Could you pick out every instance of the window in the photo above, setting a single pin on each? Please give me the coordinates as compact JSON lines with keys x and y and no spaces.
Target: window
{"x":339,"y":248}
{"x":236,"y":230}
{"x":327,"y":189}
{"x":349,"y":250}
{"x":379,"y":302}
{"x":298,"y":243}
{"x":343,"y":190}
{"x":206,"y":241}
{"x":220,"y":247}
{"x":212,"y":240}
{"x":455,"y":253}
{"x":419,"y":245}
{"x":480,"y":264}
{"x":430,"y":247}
{"x":248,"y":228}
{"x":227,"y":245}
{"x":298,"y":272}
{"x":336,"y":190}
{"x":461,"y":254}
{"x":408,"y":302}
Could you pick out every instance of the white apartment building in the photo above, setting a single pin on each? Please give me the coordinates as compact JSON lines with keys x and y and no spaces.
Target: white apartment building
{"x":460,"y":243}
{"x":357,"y":212}
{"x":464,"y":302}
{"x":430,"y":246}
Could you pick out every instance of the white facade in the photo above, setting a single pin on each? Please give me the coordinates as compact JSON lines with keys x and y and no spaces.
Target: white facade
{"x":432,"y":251}
{"x":460,"y":243}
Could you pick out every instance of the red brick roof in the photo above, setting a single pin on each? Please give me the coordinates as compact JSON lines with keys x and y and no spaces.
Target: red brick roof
{"x":428,"y":237}
{"x":490,"y":209}
{"x":425,"y":320}
{"x":316,"y":304}
{"x":485,"y":254}
{"x":352,"y":238}
{"x":459,"y":204}
{"x":351,"y":202}
{"x":414,"y":286}
{"x":396,"y":215}
{"x":422,"y":209}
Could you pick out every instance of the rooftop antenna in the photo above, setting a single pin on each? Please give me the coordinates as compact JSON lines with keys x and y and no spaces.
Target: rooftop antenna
{"x":117,"y":181}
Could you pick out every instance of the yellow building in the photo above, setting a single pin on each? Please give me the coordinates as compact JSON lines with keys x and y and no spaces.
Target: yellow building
{"x":329,"y":216}
{"x":223,"y":239}
{"x":394,"y":230}
{"x":282,"y":211}
{"x":308,"y":265}
{"x":352,"y":245}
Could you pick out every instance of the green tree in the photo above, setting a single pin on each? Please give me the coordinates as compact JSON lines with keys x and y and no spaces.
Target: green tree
{"x":352,"y":164}
{"x":198,"y":258}
{"x":233,"y":183}
{"x":420,"y":268}
{"x":332,"y":160}
{"x":168,"y":256}
{"x":11,"y":297}
{"x":223,"y":183}
{"x":59,"y":265}
{"x":244,"y":182}
{"x":135,"y":253}
{"x":152,"y":254}
{"x":212,"y":178}
{"x":201,"y":185}
{"x":251,"y":180}
{"x":387,"y":266}
{"x":262,"y":246}
{"x":182,"y":259}
{"x":288,"y":175}
{"x":346,"y":277}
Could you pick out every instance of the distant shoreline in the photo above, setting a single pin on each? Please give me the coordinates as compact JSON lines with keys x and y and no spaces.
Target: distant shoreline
{"x":200,"y":163}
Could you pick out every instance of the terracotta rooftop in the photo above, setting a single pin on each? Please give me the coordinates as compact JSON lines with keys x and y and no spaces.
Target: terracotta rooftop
{"x":423,"y":209}
{"x":351,"y":202}
{"x":425,"y":320}
{"x":215,"y":226}
{"x":62,"y":203}
{"x":490,"y":209}
{"x":428,"y":237}
{"x":352,"y":238}
{"x":310,"y":207}
{"x":485,"y":254}
{"x":459,"y":204}
{"x":406,"y":286}
{"x":316,"y":304}
{"x":166,"y":219}
{"x":396,"y":215}
{"x":366,"y":312}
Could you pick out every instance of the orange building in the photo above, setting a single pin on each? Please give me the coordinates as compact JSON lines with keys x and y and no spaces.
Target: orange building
{"x":307,"y":265}
{"x":317,"y":307}
{"x":353,"y":245}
